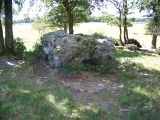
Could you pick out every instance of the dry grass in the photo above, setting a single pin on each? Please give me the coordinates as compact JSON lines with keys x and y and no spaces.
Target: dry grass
{"x":30,"y":36}
{"x":137,"y":32}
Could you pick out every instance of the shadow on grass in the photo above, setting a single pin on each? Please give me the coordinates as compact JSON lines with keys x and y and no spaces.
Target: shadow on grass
{"x":140,"y":92}
{"x":24,"y":100}
{"x":125,"y":53}
{"x":51,"y":101}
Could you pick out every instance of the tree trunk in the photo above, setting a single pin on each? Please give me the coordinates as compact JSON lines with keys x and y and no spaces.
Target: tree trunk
{"x":65,"y":28}
{"x":1,"y":31}
{"x":154,"y":41}
{"x":125,"y":13}
{"x":70,"y":15}
{"x":120,"y":35}
{"x":70,"y":20}
{"x":1,"y":38}
{"x":124,"y":35}
{"x":120,"y":27}
{"x":8,"y":26}
{"x":127,"y":34}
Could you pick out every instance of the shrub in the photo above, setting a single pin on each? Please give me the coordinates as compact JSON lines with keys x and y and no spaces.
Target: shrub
{"x":97,"y":35}
{"x":158,"y":51}
{"x":131,"y":47}
{"x":135,"y":42}
{"x":19,"y":46}
{"x":106,"y":67}
{"x":115,"y":41}
{"x":38,"y":51}
{"x":72,"y":68}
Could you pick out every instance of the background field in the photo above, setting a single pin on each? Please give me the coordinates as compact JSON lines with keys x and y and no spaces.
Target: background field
{"x":30,"y":36}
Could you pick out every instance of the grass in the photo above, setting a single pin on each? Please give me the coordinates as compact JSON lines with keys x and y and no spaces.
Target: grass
{"x":23,"y":100}
{"x":137,"y":32}
{"x":141,"y":80}
{"x":134,"y":87}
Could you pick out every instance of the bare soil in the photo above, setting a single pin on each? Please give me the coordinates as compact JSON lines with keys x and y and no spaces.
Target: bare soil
{"x":90,"y":87}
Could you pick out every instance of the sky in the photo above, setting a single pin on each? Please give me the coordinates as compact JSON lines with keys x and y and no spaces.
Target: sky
{"x":32,"y":11}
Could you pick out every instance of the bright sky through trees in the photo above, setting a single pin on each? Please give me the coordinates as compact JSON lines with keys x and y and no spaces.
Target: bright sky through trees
{"x":32,"y":11}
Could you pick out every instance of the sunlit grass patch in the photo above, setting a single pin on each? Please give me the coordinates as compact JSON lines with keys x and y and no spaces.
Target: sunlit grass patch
{"x":142,"y":98}
{"x":26,"y":100}
{"x":21,"y":99}
{"x":139,"y":73}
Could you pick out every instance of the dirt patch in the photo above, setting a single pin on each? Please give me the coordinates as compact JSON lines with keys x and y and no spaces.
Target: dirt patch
{"x":8,"y":61}
{"x":100,"y":91}
{"x":90,"y":87}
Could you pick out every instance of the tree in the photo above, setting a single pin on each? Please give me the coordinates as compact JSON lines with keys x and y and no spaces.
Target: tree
{"x":8,"y":26}
{"x":70,"y":6}
{"x":1,"y":30}
{"x":125,"y":20}
{"x":121,"y":20}
{"x":153,"y":29}
{"x":57,"y":16}
{"x":40,"y":25}
{"x":118,"y":21}
{"x":153,"y":9}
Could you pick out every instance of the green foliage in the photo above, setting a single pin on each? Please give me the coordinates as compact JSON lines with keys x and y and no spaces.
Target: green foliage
{"x":108,"y":66}
{"x":115,"y":41}
{"x":40,"y":25}
{"x":36,"y":54}
{"x":81,"y":13}
{"x":158,"y":51}
{"x":95,"y":19}
{"x":19,"y":46}
{"x":134,"y":41}
{"x":58,"y":16}
{"x":153,"y":10}
{"x":97,"y":35}
{"x":152,"y":27}
{"x":72,"y":68}
{"x":38,"y":51}
{"x":111,"y":20}
{"x":116,"y":21}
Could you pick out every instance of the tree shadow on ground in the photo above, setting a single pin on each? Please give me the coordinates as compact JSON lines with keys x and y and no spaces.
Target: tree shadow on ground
{"x":126,"y":53}
{"x":140,"y":92}
{"x":27,"y":100}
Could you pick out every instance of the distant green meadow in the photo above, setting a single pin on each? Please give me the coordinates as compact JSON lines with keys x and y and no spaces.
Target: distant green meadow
{"x":31,"y":36}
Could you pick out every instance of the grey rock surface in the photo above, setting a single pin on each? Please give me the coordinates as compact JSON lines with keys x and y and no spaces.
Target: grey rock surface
{"x":63,"y":48}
